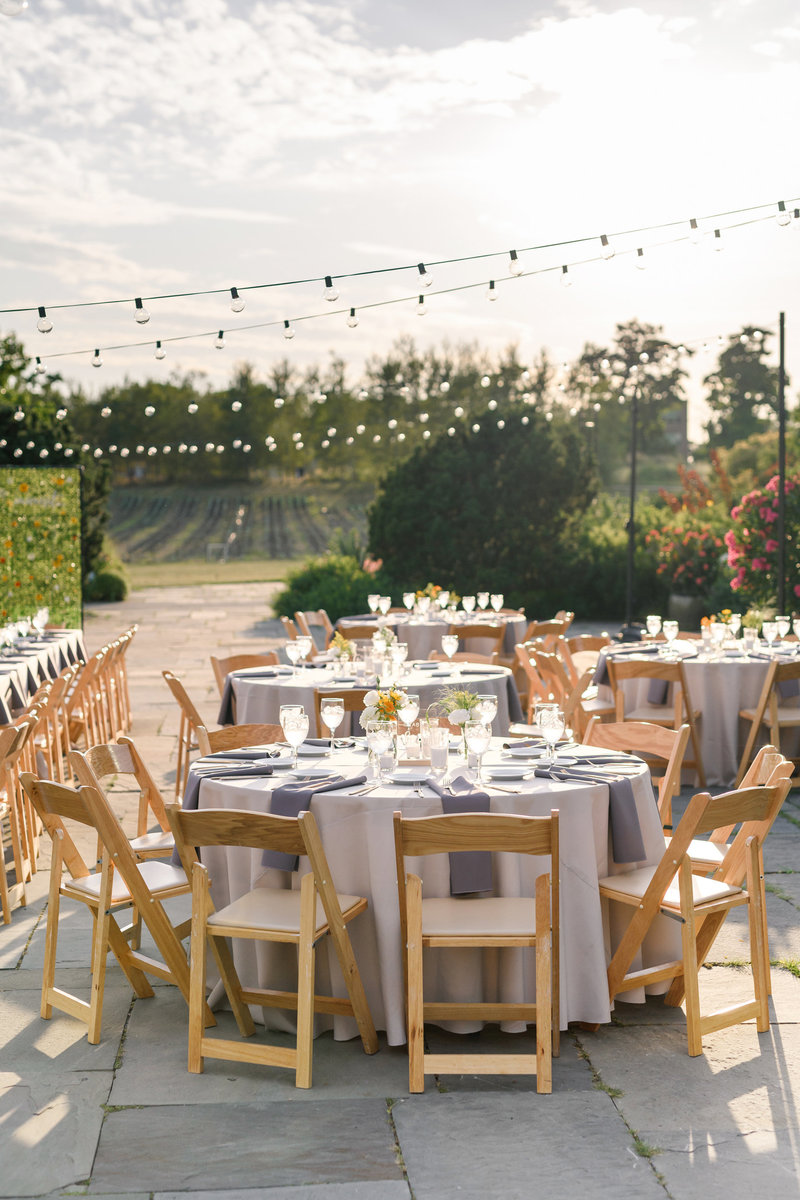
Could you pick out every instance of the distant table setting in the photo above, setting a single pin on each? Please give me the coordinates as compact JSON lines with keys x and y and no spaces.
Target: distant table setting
{"x":30,"y":660}
{"x":427,"y":618}
{"x":608,"y":820}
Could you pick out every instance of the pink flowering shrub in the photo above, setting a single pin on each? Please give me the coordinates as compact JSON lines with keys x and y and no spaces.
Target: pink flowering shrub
{"x":753,"y":547}
{"x":688,"y":559}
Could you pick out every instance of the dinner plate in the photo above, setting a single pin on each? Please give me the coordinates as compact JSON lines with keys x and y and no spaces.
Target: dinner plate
{"x":426,"y":666}
{"x":507,"y":771}
{"x":563,"y":760}
{"x":309,"y":773}
{"x":524,"y":751}
{"x":409,"y":775}
{"x":306,"y":751}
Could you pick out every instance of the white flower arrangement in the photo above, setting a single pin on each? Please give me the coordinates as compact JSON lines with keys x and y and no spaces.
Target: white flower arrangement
{"x":383,"y":704}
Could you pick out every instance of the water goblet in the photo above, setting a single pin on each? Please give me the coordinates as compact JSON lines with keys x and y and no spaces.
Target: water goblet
{"x":653,"y":624}
{"x":784,"y":624}
{"x":719,"y":632}
{"x":486,"y":708}
{"x":735,"y":624}
{"x":295,"y":729}
{"x":373,"y":599}
{"x":408,"y":599}
{"x":477,"y":736}
{"x":749,"y":637}
{"x":407,"y":713}
{"x":293,"y":653}
{"x":380,"y":739}
{"x":483,"y":600}
{"x":306,"y":645}
{"x":449,"y":645}
{"x":770,"y":631}
{"x":384,"y":604}
{"x":670,"y":631}
{"x":497,"y":601}
{"x":551,"y":726}
{"x":398,"y":652}
{"x":442,"y":599}
{"x":331,"y":713}
{"x":468,"y":604}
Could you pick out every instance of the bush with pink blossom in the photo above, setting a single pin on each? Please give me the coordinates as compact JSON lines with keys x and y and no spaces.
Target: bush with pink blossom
{"x":752,"y":542}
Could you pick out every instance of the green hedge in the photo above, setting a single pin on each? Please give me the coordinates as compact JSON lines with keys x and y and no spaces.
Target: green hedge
{"x":335,"y":582}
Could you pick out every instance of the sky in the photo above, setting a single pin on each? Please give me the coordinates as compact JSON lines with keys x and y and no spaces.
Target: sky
{"x":153,"y":147}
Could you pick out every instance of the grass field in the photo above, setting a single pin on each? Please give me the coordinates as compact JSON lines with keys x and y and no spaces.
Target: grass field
{"x":190,"y":572}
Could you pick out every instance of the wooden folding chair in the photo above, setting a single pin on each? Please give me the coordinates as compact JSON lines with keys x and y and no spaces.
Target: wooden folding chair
{"x":121,"y":762}
{"x":580,"y":653}
{"x":316,"y":618}
{"x":5,"y":896}
{"x":662,"y":749}
{"x":545,"y":634}
{"x":483,"y":639}
{"x":772,"y":709}
{"x":120,"y":882}
{"x":235,"y":737}
{"x":12,"y":742}
{"x":300,"y":918}
{"x":190,"y":722}
{"x":352,"y":698}
{"x":493,"y":921}
{"x":701,"y":905}
{"x":672,"y":713}
{"x":289,"y":628}
{"x":579,"y":700}
{"x":222,"y":667}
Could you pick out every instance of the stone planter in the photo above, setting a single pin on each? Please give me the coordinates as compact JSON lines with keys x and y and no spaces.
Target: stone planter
{"x":686,"y":610}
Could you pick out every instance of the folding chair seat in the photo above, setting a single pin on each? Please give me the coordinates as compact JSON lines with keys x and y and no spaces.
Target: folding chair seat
{"x":777,"y":708}
{"x":222,"y":667}
{"x":662,"y":749}
{"x":190,"y":722}
{"x":670,"y":713}
{"x":493,"y":921}
{"x":301,"y":918}
{"x":122,"y":763}
{"x":121,"y":882}
{"x":701,"y":905}
{"x":236,"y":737}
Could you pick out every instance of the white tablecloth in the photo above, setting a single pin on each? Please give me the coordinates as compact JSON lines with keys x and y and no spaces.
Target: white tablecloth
{"x":358,"y":838}
{"x":31,"y":662}
{"x":423,"y":636}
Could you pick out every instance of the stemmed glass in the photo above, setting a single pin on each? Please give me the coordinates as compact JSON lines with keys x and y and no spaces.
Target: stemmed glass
{"x":408,"y":600}
{"x":477,"y":736}
{"x":735,"y":624}
{"x":784,"y":624}
{"x":331,"y":712}
{"x":497,"y":601}
{"x":380,"y":738}
{"x":295,"y":727}
{"x":670,"y":630}
{"x":293,"y":653}
{"x":442,"y":599}
{"x":486,"y":708}
{"x":748,"y":640}
{"x":306,"y":645}
{"x":719,"y":632}
{"x":398,"y":652}
{"x":770,"y":632}
{"x":483,"y":600}
{"x":408,"y":713}
{"x":550,"y":719}
{"x":373,"y":599}
{"x":653,"y":624}
{"x":468,"y":604}
{"x":439,"y":741}
{"x":449,"y":645}
{"x":796,"y":630}
{"x":384,"y":604}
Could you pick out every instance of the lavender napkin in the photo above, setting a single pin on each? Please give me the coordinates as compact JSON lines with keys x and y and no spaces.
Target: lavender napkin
{"x":289,"y":800}
{"x":230,"y":770}
{"x":600,"y":677}
{"x":470,"y":870}
{"x":627,"y":845}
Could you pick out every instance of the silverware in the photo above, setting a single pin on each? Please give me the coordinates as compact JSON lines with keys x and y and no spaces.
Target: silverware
{"x":498,"y":787}
{"x":369,"y":788}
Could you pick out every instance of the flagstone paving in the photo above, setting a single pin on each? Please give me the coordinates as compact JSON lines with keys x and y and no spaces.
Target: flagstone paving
{"x":631,"y":1115}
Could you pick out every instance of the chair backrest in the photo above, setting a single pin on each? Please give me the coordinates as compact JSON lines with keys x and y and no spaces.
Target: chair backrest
{"x":490,"y":634}
{"x":358,"y":633}
{"x":236,"y":737}
{"x":186,"y":706}
{"x":465,"y":656}
{"x":289,"y":628}
{"x":553,"y":674}
{"x":580,"y":653}
{"x":621,"y":670}
{"x":546,"y":633}
{"x":222,"y":667}
{"x":98,"y":764}
{"x":352,"y":698}
{"x":56,"y":803}
{"x":753,"y":809}
{"x":654,"y":743}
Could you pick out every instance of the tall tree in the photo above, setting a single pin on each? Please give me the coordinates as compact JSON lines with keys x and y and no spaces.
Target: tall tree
{"x":743,"y":389}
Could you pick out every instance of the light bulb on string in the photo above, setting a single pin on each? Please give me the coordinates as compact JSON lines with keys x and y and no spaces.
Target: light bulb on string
{"x":237,"y":303}
{"x":12,"y":8}
{"x":330,"y":293}
{"x":191,"y":408}
{"x":444,"y":386}
{"x":236,"y":406}
{"x":140,"y":314}
{"x":607,"y":250}
{"x":491,"y":291}
{"x":149,"y":410}
{"x":718,"y":243}
{"x":60,"y":414}
{"x":97,"y":360}
{"x":352,"y":319}
{"x":105,"y":411}
{"x":44,"y":324}
{"x":425,"y":277}
{"x":796,"y":221}
{"x":421,"y":309}
{"x":160,"y":351}
{"x":641,"y":264}
{"x":279,"y":402}
{"x":565,"y":279}
{"x":19,"y":415}
{"x":40,"y":368}
{"x":695,"y":233}
{"x":783,"y":216}
{"x":288,"y":332}
{"x":515,"y":267}
{"x":219,"y":342}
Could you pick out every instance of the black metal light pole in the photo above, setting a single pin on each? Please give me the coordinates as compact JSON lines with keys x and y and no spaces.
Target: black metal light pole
{"x":631,"y":526}
{"x":782,"y":466}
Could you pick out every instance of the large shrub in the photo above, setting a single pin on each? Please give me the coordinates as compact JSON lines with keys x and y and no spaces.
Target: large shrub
{"x":753,"y":546}
{"x":335,"y":582}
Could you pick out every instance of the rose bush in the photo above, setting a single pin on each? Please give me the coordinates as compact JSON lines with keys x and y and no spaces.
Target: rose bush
{"x":752,"y":543}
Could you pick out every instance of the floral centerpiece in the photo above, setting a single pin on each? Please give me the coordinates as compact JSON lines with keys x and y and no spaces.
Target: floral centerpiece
{"x":383,"y":704}
{"x":458,"y":704}
{"x":431,"y":590}
{"x":752,"y":542}
{"x":342,"y":649}
{"x":384,"y":639}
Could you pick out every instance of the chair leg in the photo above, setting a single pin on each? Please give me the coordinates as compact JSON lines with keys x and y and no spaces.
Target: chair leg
{"x":759,"y":946}
{"x":99,"y":958}
{"x":305,"y":983}
{"x":197,"y":974}
{"x":544,"y":984}
{"x":355,"y":988}
{"x":51,"y":932}
{"x":748,"y":750}
{"x":414,"y":1010}
{"x":690,"y":971}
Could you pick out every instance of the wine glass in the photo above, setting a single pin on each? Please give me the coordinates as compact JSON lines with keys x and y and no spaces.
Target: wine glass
{"x":770,"y":632}
{"x":295,"y":728}
{"x":398,"y":652}
{"x":380,"y":739}
{"x":468,"y":604}
{"x":735,"y":624}
{"x":408,"y":712}
{"x":293,"y":653}
{"x":477,"y":736}
{"x":408,"y":600}
{"x":748,"y":640}
{"x":551,"y":726}
{"x":306,"y":645}
{"x":483,"y":600}
{"x":497,"y":601}
{"x":384,"y":604}
{"x":796,"y":629}
{"x":719,"y":632}
{"x":442,"y":599}
{"x":373,"y":599}
{"x":486,"y":708}
{"x":653,"y":624}
{"x":670,"y":631}
{"x":784,"y":624}
{"x":449,"y":645}
{"x":331,"y":712}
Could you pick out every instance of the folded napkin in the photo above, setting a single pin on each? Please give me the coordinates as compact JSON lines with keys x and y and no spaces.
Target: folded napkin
{"x":470,"y":870}
{"x":197,"y":774}
{"x":627,"y":845}
{"x":325,"y":743}
{"x":245,"y":753}
{"x":600,"y":677}
{"x":290,"y":799}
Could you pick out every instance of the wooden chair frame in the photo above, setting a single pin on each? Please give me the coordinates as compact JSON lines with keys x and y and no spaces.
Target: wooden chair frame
{"x":655,"y":744}
{"x":701,"y":905}
{"x":674,"y":715}
{"x":769,"y":711}
{"x":352,"y":698}
{"x":222,"y":667}
{"x":235,"y":737}
{"x":300,"y":836}
{"x":492,"y":633}
{"x":499,"y":833}
{"x":95,"y":766}
{"x":190,"y":722}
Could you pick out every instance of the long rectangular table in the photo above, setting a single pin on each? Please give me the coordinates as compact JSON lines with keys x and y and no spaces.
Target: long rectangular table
{"x":31,"y":662}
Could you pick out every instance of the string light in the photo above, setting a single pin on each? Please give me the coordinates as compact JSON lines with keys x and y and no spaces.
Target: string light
{"x":330,"y":293}
{"x":149,"y":410}
{"x":425,"y":277}
{"x":220,"y":340}
{"x":565,"y":279}
{"x":783,"y":217}
{"x":191,"y":408}
{"x":97,"y":360}
{"x":236,"y":406}
{"x":515,"y":267}
{"x":695,"y":235}
{"x":288,"y":332}
{"x":12,"y":8}
{"x":40,"y":368}
{"x":140,"y":314}
{"x":718,"y":242}
{"x":237,"y":303}
{"x":641,"y":265}
{"x":607,"y":250}
{"x":44,"y":324}
{"x":491,"y":291}
{"x":352,"y":319}
{"x":421,"y":309}
{"x":19,"y":415}
{"x":160,"y":351}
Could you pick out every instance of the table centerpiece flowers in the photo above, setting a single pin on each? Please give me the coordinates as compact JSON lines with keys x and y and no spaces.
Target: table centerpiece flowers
{"x":383,"y":704}
{"x":384,"y":639}
{"x":458,"y":704}
{"x":342,"y":649}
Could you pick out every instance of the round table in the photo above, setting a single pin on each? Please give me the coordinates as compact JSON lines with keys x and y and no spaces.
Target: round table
{"x":424,"y":634}
{"x":357,"y":834}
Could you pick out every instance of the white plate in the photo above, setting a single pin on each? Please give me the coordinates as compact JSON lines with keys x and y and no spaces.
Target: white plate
{"x":409,"y":775}
{"x":480,"y":669}
{"x":565,"y":761}
{"x":309,"y":773}
{"x":426,"y":666}
{"x":507,"y":772}
{"x":306,"y":751}
{"x":524,"y":751}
